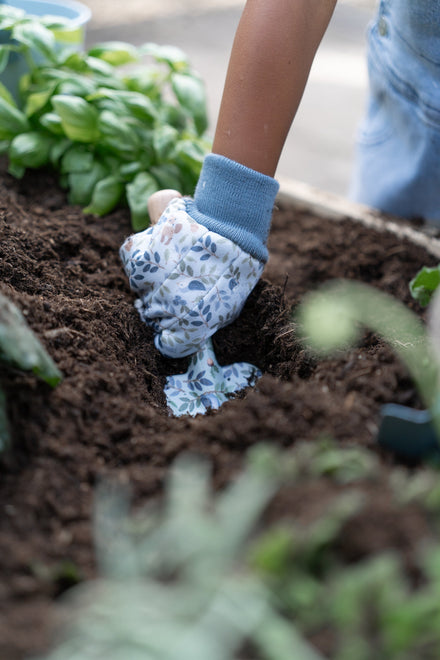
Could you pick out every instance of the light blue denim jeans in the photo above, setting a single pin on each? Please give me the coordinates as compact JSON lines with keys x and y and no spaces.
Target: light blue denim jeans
{"x":397,"y":164}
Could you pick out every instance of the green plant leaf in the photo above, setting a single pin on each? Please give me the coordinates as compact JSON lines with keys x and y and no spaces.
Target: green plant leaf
{"x":12,"y":120}
{"x":147,"y":81}
{"x":174,"y":57}
{"x":82,"y":184}
{"x":132,"y":122}
{"x":78,"y":158}
{"x":20,"y":347}
{"x":117,"y":134}
{"x":79,"y":119}
{"x":36,"y":101}
{"x":16,"y":170}
{"x":99,"y":68}
{"x":115,"y":53}
{"x":77,"y":85}
{"x":9,"y":16}
{"x":59,"y":147}
{"x":191,"y":153}
{"x":30,"y":149}
{"x":106,"y":196}
{"x":167,"y":176}
{"x":138,"y":105}
{"x":424,"y":284}
{"x":52,"y":122}
{"x":164,"y":142}
{"x":190,"y":92}
{"x":34,"y":35}
{"x":6,"y":95}
{"x":4,"y":57}
{"x":129,"y":170}
{"x":138,"y":193}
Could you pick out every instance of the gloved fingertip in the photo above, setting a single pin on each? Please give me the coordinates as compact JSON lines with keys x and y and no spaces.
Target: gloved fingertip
{"x":158,"y":202}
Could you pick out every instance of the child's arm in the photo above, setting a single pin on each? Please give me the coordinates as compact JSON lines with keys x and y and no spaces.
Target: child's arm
{"x":272,"y":54}
{"x":194,"y":270}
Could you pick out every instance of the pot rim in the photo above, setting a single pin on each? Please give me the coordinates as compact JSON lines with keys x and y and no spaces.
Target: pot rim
{"x":83,"y":13}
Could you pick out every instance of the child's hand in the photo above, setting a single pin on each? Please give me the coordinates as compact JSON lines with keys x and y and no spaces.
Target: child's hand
{"x":190,"y":281}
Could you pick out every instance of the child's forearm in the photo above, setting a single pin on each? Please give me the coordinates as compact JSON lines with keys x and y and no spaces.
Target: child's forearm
{"x":271,"y":58}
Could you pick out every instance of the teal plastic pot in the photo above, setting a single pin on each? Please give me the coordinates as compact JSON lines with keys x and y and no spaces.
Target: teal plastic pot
{"x":77,"y":13}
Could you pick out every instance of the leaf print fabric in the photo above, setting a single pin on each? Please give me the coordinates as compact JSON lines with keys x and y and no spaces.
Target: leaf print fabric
{"x":206,"y":385}
{"x":189,"y":281}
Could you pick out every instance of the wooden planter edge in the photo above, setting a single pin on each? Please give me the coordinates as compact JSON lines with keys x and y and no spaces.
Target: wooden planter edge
{"x":335,"y":207}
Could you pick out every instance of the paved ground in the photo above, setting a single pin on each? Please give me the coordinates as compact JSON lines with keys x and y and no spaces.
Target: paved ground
{"x":319,"y":147}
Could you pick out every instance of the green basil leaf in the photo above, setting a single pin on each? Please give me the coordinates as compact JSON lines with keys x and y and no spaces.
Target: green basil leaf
{"x":77,"y":85}
{"x":58,"y":149}
{"x":82,"y":184}
{"x":36,"y":101}
{"x":20,"y":347}
{"x":115,"y":53}
{"x":167,"y":175}
{"x":129,"y":170}
{"x":117,"y":134}
{"x":77,"y":159}
{"x":9,"y":16}
{"x":6,"y":95}
{"x":106,"y":195}
{"x":139,"y":105}
{"x":12,"y":120}
{"x":4,"y":57}
{"x":98,"y":66}
{"x":175,"y":116}
{"x":79,"y":119}
{"x":174,"y":57}
{"x":424,"y":284}
{"x":138,"y":193}
{"x":147,"y":81}
{"x":34,"y":35}
{"x":76,"y":62}
{"x":24,"y":84}
{"x":164,"y":142}
{"x":30,"y":149}
{"x":52,"y":122}
{"x":191,"y":154}
{"x":190,"y":92}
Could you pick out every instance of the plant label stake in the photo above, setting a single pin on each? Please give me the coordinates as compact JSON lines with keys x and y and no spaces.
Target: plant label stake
{"x":206,"y":385}
{"x":407,"y":432}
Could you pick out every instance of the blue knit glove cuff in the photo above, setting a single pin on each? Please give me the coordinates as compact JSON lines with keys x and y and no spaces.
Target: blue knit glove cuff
{"x":235,"y":202}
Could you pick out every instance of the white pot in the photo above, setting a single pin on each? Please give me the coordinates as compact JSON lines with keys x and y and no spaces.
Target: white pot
{"x":74,"y":11}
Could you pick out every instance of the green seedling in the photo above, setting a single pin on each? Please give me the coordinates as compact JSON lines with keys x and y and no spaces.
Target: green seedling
{"x":113,"y":133}
{"x":333,"y":317}
{"x":175,"y":584}
{"x":20,"y":348}
{"x":424,"y":284}
{"x":369,"y":607}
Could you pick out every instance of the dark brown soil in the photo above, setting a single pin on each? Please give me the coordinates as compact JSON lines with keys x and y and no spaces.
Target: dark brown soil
{"x":108,"y":417}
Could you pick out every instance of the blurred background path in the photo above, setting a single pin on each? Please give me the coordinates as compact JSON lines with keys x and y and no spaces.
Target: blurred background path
{"x":319,"y":148}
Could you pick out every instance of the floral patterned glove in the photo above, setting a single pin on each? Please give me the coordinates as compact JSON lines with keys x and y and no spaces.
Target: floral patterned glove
{"x":194,"y":269}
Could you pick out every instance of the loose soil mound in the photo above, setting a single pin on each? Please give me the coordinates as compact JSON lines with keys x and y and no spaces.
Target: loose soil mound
{"x":108,"y":418}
